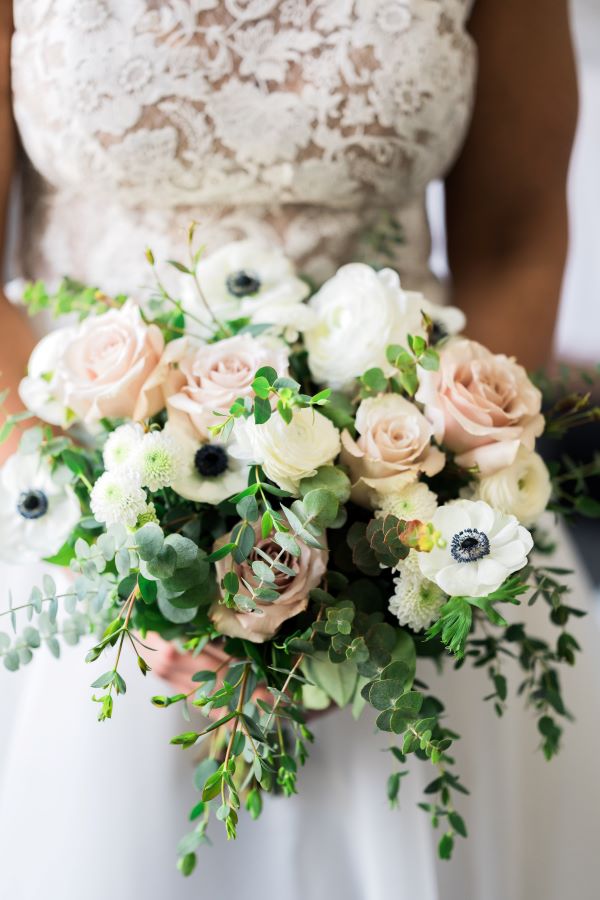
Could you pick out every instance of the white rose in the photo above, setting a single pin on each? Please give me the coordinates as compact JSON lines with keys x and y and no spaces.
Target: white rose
{"x":359,"y":313}
{"x":40,"y":389}
{"x":248,"y":279}
{"x":522,"y":489}
{"x":288,"y":453}
{"x":480,"y":548}
{"x":38,"y":511}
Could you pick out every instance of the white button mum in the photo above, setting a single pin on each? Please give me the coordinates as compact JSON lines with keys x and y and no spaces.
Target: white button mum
{"x":415,"y":501}
{"x":288,"y":453}
{"x":122,"y":446}
{"x":37,"y":511}
{"x":118,"y":496}
{"x":481,"y":548}
{"x":416,"y":602}
{"x":159,"y":460}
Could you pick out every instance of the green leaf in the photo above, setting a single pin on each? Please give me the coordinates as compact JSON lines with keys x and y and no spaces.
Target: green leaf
{"x":321,"y":505}
{"x":262,"y":411}
{"x":430,"y":360}
{"x":186,"y":550}
{"x":268,"y":373}
{"x":231,"y":582}
{"x":329,"y":478}
{"x":244,"y":537}
{"x":261,"y":388}
{"x":445,"y":846}
{"x":221,"y":552}
{"x":457,"y":823}
{"x":338,"y":680}
{"x":186,"y":864}
{"x":149,"y":541}
{"x":148,"y":589}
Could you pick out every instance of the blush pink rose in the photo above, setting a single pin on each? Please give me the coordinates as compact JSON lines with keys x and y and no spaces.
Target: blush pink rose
{"x":482,"y":406}
{"x":198,"y":380}
{"x":260,"y":625}
{"x":392,"y":449}
{"x":104,"y":367}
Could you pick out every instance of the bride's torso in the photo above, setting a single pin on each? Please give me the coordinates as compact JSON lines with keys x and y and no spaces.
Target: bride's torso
{"x":315,"y":123}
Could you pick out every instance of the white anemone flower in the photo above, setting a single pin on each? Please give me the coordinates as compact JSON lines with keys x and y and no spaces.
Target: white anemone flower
{"x":208,"y":473}
{"x":417,"y":601}
{"x":122,"y":446}
{"x":479,"y":548}
{"x":118,"y":496}
{"x":415,"y":501}
{"x":249,"y":279}
{"x":38,"y":511}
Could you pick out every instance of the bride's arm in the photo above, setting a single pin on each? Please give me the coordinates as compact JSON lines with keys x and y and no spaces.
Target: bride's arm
{"x":506,"y":197}
{"x":16,"y":339}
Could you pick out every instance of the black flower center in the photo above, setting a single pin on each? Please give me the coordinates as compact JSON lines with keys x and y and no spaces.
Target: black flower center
{"x":243,"y":283}
{"x":32,"y":504}
{"x":438,"y":332}
{"x":211,"y":460}
{"x":469,"y":545}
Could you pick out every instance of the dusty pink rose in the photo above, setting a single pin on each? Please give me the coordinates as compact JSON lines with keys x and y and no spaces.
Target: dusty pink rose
{"x":260,"y":625}
{"x":482,"y":406}
{"x":104,"y":367}
{"x":201,"y":379}
{"x":392,"y":449}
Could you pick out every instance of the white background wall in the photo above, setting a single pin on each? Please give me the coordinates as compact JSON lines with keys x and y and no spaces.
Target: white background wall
{"x":578,"y":330}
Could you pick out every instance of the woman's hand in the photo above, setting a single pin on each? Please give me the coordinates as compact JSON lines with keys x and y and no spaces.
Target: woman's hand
{"x":177,"y":668}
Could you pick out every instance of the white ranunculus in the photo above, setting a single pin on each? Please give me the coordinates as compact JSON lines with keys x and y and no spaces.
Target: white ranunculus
{"x":40,"y":389}
{"x":288,"y":453}
{"x":38,"y":511}
{"x":359,"y":313}
{"x":208,"y":473}
{"x":522,"y":489}
{"x":249,"y":279}
{"x":480,"y":548}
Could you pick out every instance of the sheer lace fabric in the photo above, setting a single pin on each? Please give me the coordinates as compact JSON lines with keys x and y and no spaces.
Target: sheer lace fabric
{"x":308,"y":122}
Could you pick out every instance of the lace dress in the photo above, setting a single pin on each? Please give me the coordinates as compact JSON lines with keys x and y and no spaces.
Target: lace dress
{"x":317,"y":124}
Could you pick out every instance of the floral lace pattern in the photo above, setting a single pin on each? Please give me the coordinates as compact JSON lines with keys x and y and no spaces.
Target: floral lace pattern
{"x":300,"y":120}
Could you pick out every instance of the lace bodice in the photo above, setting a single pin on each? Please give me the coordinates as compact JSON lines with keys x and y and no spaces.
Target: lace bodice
{"x":309,"y":122}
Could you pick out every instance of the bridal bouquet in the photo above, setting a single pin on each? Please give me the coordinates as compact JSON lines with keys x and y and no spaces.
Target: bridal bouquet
{"x":325,"y":485}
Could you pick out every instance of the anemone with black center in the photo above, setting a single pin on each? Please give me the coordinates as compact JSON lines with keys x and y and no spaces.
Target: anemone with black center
{"x":469,"y":545}
{"x":243,"y":283}
{"x":211,"y":460}
{"x":33,"y":504}
{"x":438,"y":332}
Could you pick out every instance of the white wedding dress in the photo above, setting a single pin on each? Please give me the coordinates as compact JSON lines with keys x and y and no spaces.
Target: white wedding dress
{"x":311,"y":123}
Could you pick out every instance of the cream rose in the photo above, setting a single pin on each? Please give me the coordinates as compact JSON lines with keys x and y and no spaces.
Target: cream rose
{"x":199,"y":380}
{"x":392,"y":449}
{"x":359,"y":312}
{"x":105,"y":364}
{"x":482,"y":406}
{"x":260,"y":625}
{"x":522,"y":489}
{"x":288,"y":453}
